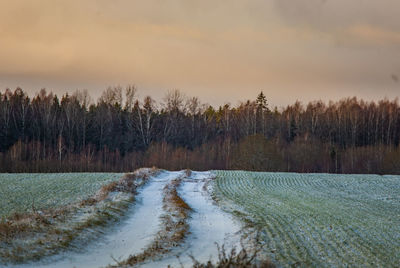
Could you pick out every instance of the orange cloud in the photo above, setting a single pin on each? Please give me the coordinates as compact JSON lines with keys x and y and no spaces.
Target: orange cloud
{"x":371,"y":35}
{"x":223,"y":50}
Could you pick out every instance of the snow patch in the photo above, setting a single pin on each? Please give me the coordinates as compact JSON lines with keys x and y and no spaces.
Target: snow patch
{"x":126,"y":238}
{"x":208,"y":225}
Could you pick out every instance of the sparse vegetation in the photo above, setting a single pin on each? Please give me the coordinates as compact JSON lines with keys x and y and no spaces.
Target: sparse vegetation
{"x":234,"y":259}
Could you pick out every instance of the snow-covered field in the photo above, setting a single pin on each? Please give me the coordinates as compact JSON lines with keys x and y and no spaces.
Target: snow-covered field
{"x":307,"y":219}
{"x":18,"y":192}
{"x":319,"y":219}
{"x":126,"y":238}
{"x":139,"y":228}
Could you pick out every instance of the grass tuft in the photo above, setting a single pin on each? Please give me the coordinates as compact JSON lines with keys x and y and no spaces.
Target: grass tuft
{"x":234,"y":259}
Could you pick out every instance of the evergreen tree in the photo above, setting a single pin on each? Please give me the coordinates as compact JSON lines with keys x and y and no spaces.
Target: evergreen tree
{"x":262,"y":102}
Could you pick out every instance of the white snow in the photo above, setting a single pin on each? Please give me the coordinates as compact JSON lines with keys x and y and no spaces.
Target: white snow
{"x":127,"y":238}
{"x":208,"y":225}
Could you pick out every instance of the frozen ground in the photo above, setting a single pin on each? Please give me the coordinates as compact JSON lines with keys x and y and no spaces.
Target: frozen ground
{"x":128,"y":237}
{"x":208,"y":225}
{"x":48,"y":190}
{"x":319,"y":220}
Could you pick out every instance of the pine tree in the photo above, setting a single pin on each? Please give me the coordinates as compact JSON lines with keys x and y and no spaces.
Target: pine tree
{"x":262,"y":108}
{"x":262,"y":101}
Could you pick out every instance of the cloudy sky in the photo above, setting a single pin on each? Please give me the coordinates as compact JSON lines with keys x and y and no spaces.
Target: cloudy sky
{"x":221,"y":51}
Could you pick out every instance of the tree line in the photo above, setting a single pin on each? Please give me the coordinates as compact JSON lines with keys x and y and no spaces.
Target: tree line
{"x":120,"y":132}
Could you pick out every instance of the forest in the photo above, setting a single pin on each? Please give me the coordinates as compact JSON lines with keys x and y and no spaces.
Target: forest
{"x":120,"y":132}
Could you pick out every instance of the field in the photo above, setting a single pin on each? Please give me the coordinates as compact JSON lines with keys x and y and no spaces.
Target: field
{"x":149,"y":217}
{"x":20,"y":191}
{"x":318,"y":219}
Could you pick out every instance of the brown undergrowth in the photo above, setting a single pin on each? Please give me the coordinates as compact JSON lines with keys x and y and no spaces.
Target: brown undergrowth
{"x":242,"y":259}
{"x":175,"y":227}
{"x":31,"y":236}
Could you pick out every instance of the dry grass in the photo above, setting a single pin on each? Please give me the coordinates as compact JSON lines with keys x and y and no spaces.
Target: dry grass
{"x":111,"y":187}
{"x":173,"y":201}
{"x":20,"y":225}
{"x":188,"y":172}
{"x":31,"y":236}
{"x":9,"y":229}
{"x":241,"y":259}
{"x":88,"y":202}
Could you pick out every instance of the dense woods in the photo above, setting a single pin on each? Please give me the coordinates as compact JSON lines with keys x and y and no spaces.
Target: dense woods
{"x":120,"y":133}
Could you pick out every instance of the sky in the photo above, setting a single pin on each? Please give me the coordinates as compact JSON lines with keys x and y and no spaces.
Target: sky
{"x":221,"y":51}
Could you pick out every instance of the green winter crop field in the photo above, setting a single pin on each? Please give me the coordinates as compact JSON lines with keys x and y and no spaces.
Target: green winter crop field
{"x":48,"y":190}
{"x":318,"y":219}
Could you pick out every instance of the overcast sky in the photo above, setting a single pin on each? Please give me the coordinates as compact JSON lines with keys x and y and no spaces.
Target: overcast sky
{"x":221,"y":51}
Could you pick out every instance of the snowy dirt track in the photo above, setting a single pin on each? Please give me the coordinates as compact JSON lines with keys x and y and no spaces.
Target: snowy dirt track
{"x":138,"y":229}
{"x":208,"y":225}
